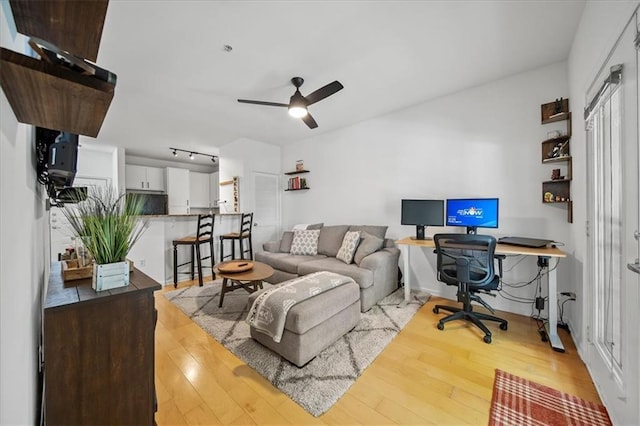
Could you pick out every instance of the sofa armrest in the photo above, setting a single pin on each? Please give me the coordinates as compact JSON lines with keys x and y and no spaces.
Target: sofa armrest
{"x":383,"y":261}
{"x":271,"y":246}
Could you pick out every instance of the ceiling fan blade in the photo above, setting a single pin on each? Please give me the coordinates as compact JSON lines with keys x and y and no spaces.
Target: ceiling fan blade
{"x":246,"y":101}
{"x":324,"y":92}
{"x":309,"y":121}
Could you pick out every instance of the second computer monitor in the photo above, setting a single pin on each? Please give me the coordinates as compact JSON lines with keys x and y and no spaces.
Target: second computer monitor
{"x":472,"y":213}
{"x":422,"y":213}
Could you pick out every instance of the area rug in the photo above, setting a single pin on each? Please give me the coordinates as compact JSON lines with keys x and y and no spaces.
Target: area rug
{"x":518,"y":401}
{"x":322,"y":381}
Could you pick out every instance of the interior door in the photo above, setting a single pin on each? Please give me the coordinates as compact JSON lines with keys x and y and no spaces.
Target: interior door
{"x":266,"y":217}
{"x":614,"y":216}
{"x":60,"y":232}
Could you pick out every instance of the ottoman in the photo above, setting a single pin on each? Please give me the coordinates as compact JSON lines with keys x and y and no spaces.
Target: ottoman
{"x":314,"y":324}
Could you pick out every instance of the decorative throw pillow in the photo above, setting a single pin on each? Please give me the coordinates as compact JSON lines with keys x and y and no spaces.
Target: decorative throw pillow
{"x":305,"y":242}
{"x":315,"y":226}
{"x":349,"y":246}
{"x":368,"y":244}
{"x":286,"y":241}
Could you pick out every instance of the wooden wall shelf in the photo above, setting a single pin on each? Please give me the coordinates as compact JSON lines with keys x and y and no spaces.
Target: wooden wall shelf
{"x":72,"y":25}
{"x":297,"y":172}
{"x":558,"y":150}
{"x":51,"y":96}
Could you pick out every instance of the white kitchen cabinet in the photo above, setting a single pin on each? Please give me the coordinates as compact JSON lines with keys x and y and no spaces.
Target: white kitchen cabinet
{"x":214,"y":188}
{"x":178,"y":191}
{"x":199,"y":190}
{"x":144,"y":178}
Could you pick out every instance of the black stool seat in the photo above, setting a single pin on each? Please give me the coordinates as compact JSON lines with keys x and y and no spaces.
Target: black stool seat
{"x":246,"y":223}
{"x":204,"y":236}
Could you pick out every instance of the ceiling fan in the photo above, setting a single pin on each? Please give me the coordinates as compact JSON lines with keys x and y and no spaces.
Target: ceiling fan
{"x":298,"y":104}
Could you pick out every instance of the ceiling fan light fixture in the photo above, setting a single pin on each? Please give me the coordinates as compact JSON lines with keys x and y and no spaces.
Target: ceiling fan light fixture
{"x":297,"y":105}
{"x":297,"y":111}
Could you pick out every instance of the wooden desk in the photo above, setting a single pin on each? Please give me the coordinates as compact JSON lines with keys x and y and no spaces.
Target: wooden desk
{"x":551,"y":325}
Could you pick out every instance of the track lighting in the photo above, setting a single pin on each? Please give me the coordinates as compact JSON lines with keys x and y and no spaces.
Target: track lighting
{"x":192,"y":154}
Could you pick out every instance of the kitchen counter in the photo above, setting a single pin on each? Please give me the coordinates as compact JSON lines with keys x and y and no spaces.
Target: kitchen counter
{"x":153,"y":252}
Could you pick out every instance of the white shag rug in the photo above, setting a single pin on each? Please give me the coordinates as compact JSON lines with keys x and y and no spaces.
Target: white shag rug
{"x":322,"y":381}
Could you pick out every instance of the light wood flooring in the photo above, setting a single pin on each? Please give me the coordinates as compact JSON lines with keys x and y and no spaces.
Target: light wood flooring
{"x":424,"y":376}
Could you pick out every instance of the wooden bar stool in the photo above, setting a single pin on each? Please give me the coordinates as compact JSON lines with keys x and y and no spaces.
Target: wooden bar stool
{"x":245,"y":234}
{"x":203,"y":235}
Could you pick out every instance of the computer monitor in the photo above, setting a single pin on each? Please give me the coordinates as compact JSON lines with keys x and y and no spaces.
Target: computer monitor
{"x":472,"y":213}
{"x":422,"y":213}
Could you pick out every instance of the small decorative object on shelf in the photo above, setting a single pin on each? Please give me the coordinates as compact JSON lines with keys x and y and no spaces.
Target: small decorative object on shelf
{"x":555,"y":174}
{"x":559,"y":150}
{"x":299,"y":166}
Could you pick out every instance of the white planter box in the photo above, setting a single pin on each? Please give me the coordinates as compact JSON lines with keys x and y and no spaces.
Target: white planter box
{"x":110,"y":275}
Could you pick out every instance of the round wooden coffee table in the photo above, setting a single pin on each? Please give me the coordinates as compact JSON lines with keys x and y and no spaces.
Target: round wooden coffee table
{"x":250,"y":280}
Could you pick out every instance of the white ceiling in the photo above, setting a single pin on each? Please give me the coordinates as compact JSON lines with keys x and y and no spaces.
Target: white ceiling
{"x":178,"y":87}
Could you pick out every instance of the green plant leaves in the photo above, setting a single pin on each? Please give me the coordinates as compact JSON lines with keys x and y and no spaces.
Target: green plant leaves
{"x":108,"y":223}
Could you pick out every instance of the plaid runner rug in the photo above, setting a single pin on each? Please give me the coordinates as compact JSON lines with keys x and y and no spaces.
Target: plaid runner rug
{"x":518,"y":401}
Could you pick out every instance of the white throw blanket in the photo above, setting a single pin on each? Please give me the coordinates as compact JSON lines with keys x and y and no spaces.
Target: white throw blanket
{"x":268,"y":313}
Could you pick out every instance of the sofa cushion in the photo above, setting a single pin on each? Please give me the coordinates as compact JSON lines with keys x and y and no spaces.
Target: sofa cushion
{"x":315,"y":226}
{"x":305,"y":242}
{"x":368,"y":244}
{"x":285,"y":242}
{"x":364,"y":277}
{"x":377,"y":230}
{"x":331,"y":238}
{"x":284,"y":261}
{"x":349,"y":245}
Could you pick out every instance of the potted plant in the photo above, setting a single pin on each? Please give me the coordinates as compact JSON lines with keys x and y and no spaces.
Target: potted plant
{"x":108,"y":225}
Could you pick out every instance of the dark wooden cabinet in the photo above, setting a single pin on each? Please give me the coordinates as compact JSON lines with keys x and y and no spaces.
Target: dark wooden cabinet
{"x":99,"y":352}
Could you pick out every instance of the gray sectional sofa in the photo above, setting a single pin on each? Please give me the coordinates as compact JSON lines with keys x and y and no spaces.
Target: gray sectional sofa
{"x":374,"y":267}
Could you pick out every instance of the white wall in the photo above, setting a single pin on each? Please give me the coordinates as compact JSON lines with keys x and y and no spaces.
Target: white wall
{"x":23,"y":247}
{"x":484,"y":142}
{"x":242,"y":158}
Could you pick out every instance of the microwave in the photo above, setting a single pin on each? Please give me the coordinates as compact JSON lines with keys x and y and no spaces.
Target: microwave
{"x":153,"y":204}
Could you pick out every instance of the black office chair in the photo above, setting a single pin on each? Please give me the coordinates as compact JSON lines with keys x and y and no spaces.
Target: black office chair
{"x":204,"y":235}
{"x":246,"y":251}
{"x":468,"y":262}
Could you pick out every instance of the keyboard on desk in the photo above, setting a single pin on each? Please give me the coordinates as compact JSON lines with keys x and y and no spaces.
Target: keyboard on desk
{"x":524,"y":242}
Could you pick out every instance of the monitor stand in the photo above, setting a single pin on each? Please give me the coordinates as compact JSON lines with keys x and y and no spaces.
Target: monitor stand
{"x":472,"y":230}
{"x":420,"y":233}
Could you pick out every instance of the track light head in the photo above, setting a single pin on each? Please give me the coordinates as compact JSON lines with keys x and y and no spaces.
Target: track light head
{"x":175,"y":153}
{"x":191,"y":155}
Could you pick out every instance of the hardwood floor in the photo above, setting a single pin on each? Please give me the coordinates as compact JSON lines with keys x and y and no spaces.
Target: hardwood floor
{"x":425,"y":376}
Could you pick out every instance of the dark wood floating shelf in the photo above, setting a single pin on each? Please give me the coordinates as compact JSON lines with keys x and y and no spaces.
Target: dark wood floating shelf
{"x":51,"y":96}
{"x":557,"y":180}
{"x":74,"y":26}
{"x":557,"y":159}
{"x":298,"y":189}
{"x":297,"y":172}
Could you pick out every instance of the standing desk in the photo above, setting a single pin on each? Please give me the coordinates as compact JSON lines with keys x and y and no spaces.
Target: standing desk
{"x":551,"y":326}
